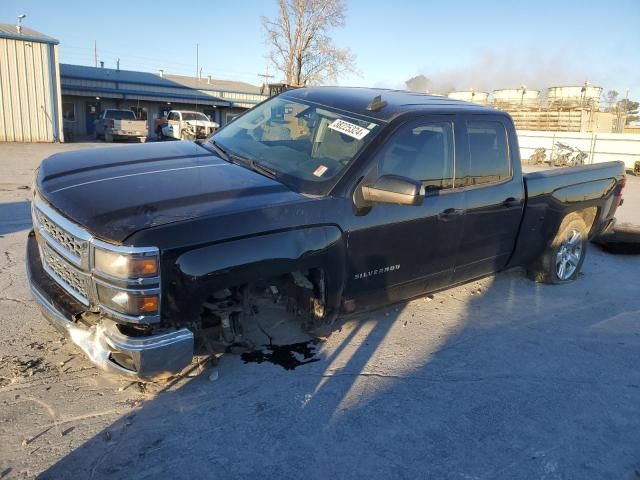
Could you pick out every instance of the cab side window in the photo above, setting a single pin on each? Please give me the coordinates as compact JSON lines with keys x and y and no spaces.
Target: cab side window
{"x":173,"y":116}
{"x":421,"y":151}
{"x":488,"y":153}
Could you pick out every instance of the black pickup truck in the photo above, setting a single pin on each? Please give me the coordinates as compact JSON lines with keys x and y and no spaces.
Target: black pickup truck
{"x":338,"y":199}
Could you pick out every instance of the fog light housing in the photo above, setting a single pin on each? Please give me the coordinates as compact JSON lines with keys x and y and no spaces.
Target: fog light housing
{"x":129,"y":302}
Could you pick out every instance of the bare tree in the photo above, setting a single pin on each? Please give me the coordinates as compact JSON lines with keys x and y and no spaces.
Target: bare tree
{"x":301,"y":47}
{"x":419,"y":83}
{"x":612,"y":101}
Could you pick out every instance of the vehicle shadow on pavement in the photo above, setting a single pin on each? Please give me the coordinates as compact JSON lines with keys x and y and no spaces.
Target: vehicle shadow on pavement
{"x":15,"y":216}
{"x":500,"y":378}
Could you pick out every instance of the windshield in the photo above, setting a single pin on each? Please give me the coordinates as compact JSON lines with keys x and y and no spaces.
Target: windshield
{"x":120,"y":115}
{"x":307,"y":146}
{"x":194,"y":116}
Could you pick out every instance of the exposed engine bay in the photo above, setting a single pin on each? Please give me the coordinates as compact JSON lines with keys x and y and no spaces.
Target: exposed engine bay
{"x":284,"y":309}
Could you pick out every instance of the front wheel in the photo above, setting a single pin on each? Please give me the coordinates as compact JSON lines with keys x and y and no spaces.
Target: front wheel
{"x":563,"y":258}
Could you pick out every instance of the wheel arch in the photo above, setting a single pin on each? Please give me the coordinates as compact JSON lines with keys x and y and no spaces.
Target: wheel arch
{"x":200,"y":271}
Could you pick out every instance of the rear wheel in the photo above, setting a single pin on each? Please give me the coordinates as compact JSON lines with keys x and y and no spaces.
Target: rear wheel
{"x":563,"y":258}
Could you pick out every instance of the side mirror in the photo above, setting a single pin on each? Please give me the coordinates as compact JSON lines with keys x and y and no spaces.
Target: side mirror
{"x":394,"y":189}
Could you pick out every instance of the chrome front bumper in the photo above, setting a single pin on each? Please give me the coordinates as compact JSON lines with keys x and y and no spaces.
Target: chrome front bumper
{"x":145,"y":357}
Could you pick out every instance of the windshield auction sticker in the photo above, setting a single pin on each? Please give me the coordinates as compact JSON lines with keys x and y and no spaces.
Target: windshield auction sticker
{"x":320,"y":171}
{"x":350,"y":129}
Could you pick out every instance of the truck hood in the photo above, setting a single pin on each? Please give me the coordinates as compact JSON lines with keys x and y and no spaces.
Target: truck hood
{"x":202,"y":123}
{"x":117,"y":191}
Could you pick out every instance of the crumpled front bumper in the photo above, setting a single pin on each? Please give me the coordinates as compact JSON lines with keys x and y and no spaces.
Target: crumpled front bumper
{"x":143,"y":357}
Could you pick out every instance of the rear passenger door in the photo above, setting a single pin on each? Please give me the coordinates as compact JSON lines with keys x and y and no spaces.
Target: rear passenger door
{"x":494,"y":197}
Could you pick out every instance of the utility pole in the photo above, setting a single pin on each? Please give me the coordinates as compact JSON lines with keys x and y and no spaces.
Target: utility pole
{"x":95,"y":54}
{"x":197,"y":71}
{"x":266,"y":78}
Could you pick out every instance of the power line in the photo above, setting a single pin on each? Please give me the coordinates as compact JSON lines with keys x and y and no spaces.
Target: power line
{"x":87,"y":59}
{"x":161,"y":62}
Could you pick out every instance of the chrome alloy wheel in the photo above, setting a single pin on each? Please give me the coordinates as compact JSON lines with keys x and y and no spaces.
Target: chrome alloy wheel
{"x":569,"y":255}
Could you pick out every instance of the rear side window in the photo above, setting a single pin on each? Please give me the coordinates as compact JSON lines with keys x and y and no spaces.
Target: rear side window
{"x":120,"y":115}
{"x":488,"y":154}
{"x":421,"y":151}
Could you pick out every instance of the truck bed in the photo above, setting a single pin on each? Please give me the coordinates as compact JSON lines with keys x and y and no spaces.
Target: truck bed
{"x":552,"y":194}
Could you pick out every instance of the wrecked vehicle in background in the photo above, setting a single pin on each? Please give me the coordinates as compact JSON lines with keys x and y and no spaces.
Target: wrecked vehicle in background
{"x":185,"y":125}
{"x":325,"y":200}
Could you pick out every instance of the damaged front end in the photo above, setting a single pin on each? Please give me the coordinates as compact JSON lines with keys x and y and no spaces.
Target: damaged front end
{"x":106,"y":298}
{"x":144,"y":357}
{"x":197,"y":130}
{"x":133,"y":352}
{"x":233,"y":318}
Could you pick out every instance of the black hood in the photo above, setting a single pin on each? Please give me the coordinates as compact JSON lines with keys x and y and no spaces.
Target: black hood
{"x":115,"y":192}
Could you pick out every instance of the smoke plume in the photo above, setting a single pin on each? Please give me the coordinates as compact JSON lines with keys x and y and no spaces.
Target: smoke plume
{"x":505,"y":69}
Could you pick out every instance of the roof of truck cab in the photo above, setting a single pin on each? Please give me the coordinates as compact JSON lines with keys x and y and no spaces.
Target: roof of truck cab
{"x":356,"y":100}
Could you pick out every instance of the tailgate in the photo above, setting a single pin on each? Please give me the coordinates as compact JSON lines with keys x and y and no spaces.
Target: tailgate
{"x":133,"y":127}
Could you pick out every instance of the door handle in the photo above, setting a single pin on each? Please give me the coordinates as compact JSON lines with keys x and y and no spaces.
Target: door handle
{"x":449,"y":213}
{"x":511,"y":202}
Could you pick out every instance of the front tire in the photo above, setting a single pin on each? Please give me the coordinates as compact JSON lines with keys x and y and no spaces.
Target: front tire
{"x":562,"y":259}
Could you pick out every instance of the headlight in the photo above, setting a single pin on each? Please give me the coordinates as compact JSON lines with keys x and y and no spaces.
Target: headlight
{"x":126,"y":265}
{"x":128,"y":302}
{"x":127,"y":281}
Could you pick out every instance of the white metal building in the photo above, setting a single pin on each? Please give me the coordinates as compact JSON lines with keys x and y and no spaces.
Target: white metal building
{"x":30,"y":100}
{"x":42,"y":100}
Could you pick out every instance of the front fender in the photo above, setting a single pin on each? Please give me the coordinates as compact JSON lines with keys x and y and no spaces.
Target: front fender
{"x":199,"y":272}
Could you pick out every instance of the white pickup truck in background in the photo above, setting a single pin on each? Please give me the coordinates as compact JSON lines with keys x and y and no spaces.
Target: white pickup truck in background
{"x":185,"y":125}
{"x":113,"y":124}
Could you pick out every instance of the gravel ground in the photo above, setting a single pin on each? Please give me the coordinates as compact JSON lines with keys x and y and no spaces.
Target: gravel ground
{"x":500,"y":378}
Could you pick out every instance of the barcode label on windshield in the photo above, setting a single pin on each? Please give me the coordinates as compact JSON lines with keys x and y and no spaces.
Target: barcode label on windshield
{"x":349,"y":129}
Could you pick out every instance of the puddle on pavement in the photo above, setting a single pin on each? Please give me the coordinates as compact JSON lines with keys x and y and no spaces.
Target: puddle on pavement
{"x":288,"y":357}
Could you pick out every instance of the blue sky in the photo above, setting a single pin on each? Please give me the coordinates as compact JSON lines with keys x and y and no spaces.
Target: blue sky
{"x":459,"y":44}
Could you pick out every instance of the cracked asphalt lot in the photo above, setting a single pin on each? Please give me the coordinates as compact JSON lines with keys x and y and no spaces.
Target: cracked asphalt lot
{"x":500,"y":378}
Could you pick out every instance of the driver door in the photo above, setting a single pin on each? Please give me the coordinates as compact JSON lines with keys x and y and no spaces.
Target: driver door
{"x":399,"y":251}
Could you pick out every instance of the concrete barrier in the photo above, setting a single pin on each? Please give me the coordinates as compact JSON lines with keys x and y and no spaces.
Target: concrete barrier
{"x":622,"y":238}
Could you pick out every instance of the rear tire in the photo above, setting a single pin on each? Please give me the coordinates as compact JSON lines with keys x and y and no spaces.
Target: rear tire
{"x":562,"y":259}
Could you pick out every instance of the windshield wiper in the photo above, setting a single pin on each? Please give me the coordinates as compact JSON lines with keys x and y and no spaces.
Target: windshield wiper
{"x":221,"y":151}
{"x":239,"y":160}
{"x":253,"y":165}
{"x":258,"y":167}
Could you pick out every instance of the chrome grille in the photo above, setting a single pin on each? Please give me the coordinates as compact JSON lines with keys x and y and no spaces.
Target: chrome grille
{"x":64,"y":249}
{"x":67,"y":251}
{"x":73,"y":280}
{"x":63,"y":238}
